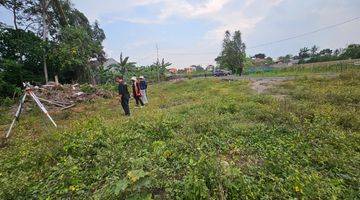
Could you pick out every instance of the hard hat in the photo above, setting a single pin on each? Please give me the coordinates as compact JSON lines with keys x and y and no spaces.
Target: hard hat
{"x":133,"y":78}
{"x":142,"y":77}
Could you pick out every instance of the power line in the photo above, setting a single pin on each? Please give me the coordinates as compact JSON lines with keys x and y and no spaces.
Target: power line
{"x":304,"y":34}
{"x":194,"y":54}
{"x":277,"y":41}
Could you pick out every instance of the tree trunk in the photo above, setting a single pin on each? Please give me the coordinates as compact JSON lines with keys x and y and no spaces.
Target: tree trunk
{"x":241,"y":69}
{"x":158,"y":73}
{"x":14,"y":16}
{"x":44,"y":5}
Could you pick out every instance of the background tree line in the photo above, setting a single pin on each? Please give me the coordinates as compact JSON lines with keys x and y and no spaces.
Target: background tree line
{"x":154,"y":73}
{"x":315,"y":54}
{"x":233,"y":56}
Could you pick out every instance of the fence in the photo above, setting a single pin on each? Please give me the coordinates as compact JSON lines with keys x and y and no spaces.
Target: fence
{"x":313,"y":67}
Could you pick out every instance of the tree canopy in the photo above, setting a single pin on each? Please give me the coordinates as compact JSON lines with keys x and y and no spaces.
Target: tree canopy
{"x":73,"y":41}
{"x":232,"y":56}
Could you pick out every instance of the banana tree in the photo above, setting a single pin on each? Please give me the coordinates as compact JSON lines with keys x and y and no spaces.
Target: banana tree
{"x":124,"y":65}
{"x":161,"y":68}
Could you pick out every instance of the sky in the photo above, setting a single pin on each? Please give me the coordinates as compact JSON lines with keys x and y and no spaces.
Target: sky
{"x":190,"y":32}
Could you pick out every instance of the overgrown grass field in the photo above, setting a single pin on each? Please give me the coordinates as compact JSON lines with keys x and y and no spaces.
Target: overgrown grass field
{"x":198,"y":139}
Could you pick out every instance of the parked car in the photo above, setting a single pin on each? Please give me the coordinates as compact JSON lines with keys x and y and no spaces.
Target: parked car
{"x":222,"y":72}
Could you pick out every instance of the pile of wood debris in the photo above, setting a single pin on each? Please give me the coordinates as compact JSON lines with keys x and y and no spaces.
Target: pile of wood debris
{"x":66,"y":96}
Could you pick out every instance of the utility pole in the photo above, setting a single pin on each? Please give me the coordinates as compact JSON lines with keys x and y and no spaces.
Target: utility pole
{"x":157,"y":63}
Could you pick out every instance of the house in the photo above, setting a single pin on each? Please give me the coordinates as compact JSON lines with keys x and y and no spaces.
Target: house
{"x":293,"y":62}
{"x":196,"y":68}
{"x":259,"y":60}
{"x":109,"y":62}
{"x":172,"y":70}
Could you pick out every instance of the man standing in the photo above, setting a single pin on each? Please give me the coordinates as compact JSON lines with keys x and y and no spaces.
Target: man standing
{"x":123,"y":94}
{"x":143,"y":87}
{"x":136,"y":91}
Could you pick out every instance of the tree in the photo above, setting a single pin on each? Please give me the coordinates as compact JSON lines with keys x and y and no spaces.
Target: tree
{"x":352,"y":51}
{"x":124,"y":65}
{"x":199,"y":68}
{"x":20,"y":59}
{"x":337,"y":52}
{"x":232,"y":56}
{"x":68,"y":44}
{"x":324,"y":52}
{"x":314,"y":50}
{"x":269,"y":61}
{"x":260,"y":56}
{"x":288,"y":58}
{"x":73,"y":53}
{"x":304,"y":53}
{"x":15,"y":6}
{"x":38,"y":12}
{"x":49,"y":18}
{"x":161,"y":68}
{"x":98,"y":36}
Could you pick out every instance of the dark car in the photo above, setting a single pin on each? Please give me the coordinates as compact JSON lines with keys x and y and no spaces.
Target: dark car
{"x":221,"y":72}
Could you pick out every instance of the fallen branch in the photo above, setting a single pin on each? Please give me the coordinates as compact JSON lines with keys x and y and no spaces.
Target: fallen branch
{"x":51,"y":102}
{"x":64,"y":108}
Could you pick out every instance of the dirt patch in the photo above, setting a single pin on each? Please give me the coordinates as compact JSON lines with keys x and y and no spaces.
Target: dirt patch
{"x":261,"y":85}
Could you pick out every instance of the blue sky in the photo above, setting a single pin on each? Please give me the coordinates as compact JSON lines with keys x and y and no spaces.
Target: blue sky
{"x":190,"y":31}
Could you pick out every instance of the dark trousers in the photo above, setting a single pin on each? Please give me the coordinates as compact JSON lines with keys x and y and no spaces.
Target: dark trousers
{"x":125,"y":105}
{"x":138,"y":100}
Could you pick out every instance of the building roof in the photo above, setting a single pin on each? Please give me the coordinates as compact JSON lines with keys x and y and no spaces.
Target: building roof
{"x":109,"y":62}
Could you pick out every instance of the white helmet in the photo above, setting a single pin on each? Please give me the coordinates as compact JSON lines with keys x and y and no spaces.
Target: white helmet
{"x":141,"y":77}
{"x":133,"y":78}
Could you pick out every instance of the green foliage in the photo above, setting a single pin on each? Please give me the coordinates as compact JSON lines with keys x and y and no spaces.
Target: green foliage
{"x":73,"y":42}
{"x":75,"y":49}
{"x":20,"y":58}
{"x":105,"y":76}
{"x":198,"y":139}
{"x":312,"y":55}
{"x":352,"y":51}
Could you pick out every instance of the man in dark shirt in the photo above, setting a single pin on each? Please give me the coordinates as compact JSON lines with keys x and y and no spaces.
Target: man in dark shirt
{"x":123,"y":94}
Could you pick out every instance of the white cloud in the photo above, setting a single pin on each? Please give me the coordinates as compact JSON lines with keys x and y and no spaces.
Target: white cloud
{"x":189,"y":10}
{"x":225,"y":14}
{"x":238,"y":19}
{"x":212,"y":10}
